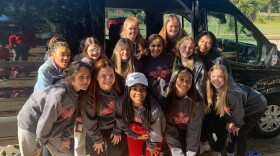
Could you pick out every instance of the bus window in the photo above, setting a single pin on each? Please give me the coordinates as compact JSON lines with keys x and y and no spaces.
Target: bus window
{"x":234,"y":40}
{"x":114,"y":19}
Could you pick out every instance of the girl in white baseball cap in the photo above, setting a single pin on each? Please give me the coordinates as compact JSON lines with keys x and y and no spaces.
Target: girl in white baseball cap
{"x":140,"y":117}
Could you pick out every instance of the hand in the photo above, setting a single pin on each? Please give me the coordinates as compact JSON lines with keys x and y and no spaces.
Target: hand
{"x":229,"y":127}
{"x":154,"y":151}
{"x":115,"y":138}
{"x":143,"y":136}
{"x":232,"y":128}
{"x":37,"y":152}
{"x":235,"y":130}
{"x":65,"y":144}
{"x":98,"y":147}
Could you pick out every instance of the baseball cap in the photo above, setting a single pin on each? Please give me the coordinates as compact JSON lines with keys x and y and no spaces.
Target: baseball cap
{"x":134,"y":78}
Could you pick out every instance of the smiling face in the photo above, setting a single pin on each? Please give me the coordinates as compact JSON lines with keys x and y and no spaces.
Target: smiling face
{"x":156,"y":47}
{"x":82,"y":80}
{"x":137,"y":94}
{"x":131,"y":31}
{"x":186,"y":49}
{"x":217,"y":79}
{"x":205,"y":44}
{"x":172,"y":29}
{"x":183,"y":83}
{"x":106,"y":79}
{"x":125,"y":53}
{"x":94,"y":51}
{"x":61,"y":56}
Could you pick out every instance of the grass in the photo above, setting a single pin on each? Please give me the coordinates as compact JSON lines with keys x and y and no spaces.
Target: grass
{"x":270,"y":30}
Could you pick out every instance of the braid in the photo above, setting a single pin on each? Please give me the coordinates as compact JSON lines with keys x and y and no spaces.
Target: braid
{"x":57,"y":44}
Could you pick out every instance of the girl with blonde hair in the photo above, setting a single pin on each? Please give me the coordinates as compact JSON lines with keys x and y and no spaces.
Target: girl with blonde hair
{"x":123,"y":58}
{"x":186,"y":57}
{"x":172,"y":32}
{"x":131,"y":31}
{"x":233,"y":109}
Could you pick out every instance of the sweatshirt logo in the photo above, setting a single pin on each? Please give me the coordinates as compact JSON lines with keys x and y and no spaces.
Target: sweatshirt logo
{"x":110,"y":108}
{"x":138,"y":120}
{"x":181,"y":118}
{"x":160,"y":72}
{"x":67,"y":113}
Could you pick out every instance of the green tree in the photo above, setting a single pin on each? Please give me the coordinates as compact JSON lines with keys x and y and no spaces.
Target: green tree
{"x":248,"y":7}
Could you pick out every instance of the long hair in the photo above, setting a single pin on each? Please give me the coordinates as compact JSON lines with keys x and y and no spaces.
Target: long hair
{"x":181,"y":32}
{"x":128,"y":109}
{"x":116,"y":57}
{"x":207,"y":33}
{"x":90,"y":41}
{"x":94,"y":87}
{"x":190,"y":61}
{"x":221,"y":96}
{"x":140,"y":41}
{"x":171,"y":93}
{"x":150,"y":40}
{"x":73,"y":69}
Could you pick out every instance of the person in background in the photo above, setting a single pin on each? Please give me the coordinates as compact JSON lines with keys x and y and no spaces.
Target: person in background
{"x":183,"y":114}
{"x":140,"y":117}
{"x":157,"y":63}
{"x":98,"y":111}
{"x":207,"y":50}
{"x":20,"y":45}
{"x":172,"y":32}
{"x":131,"y":31}
{"x":123,"y":58}
{"x":4,"y":56}
{"x":58,"y":60}
{"x":48,"y":116}
{"x":235,"y":110}
{"x":186,"y":57}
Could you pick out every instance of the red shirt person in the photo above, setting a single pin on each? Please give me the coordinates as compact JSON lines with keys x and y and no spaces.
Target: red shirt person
{"x":20,"y":45}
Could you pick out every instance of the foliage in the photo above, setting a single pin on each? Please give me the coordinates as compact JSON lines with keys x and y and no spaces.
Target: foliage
{"x":251,"y":7}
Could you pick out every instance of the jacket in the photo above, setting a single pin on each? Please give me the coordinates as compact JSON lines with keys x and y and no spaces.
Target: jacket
{"x":47,"y":74}
{"x":50,"y":113}
{"x":103,"y":119}
{"x":182,"y":122}
{"x":243,"y":101}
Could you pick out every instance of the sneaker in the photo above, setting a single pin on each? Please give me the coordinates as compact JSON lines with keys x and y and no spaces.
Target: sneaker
{"x":204,"y":148}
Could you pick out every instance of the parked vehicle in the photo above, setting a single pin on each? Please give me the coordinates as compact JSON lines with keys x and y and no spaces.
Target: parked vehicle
{"x":253,"y":58}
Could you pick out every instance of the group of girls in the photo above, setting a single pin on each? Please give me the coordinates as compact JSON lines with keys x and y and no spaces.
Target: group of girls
{"x":144,"y":101}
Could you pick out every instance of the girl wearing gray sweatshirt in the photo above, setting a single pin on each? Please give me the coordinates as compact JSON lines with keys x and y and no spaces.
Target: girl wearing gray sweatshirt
{"x":183,"y":113}
{"x":48,"y":116}
{"x":140,"y":117}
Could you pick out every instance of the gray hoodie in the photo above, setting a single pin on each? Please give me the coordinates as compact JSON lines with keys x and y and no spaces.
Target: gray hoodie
{"x":243,"y":101}
{"x":157,"y":122}
{"x":182,"y":123}
{"x":50,"y":113}
{"x":103,"y":119}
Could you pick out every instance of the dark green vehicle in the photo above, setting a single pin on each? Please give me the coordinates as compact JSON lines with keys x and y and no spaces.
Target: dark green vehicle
{"x":253,"y":58}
